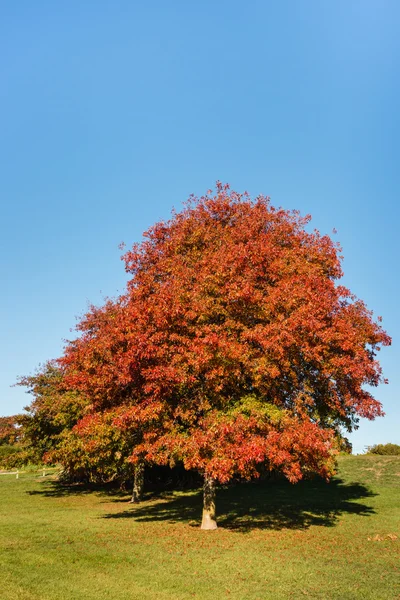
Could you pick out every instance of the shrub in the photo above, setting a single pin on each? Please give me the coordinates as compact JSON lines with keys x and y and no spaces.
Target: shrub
{"x":384,"y":449}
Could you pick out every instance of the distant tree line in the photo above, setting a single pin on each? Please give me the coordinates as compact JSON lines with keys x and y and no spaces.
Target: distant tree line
{"x":384,"y":449}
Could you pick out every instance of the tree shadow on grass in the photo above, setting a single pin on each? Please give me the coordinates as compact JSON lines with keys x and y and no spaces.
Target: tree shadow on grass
{"x":242,"y":507}
{"x":57,"y":489}
{"x":266,"y":505}
{"x":159,"y":481}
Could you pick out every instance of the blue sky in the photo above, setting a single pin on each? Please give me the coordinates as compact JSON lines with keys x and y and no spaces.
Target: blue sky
{"x":111,"y":113}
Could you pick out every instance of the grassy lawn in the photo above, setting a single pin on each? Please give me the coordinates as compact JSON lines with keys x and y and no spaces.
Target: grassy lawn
{"x":336,"y":541}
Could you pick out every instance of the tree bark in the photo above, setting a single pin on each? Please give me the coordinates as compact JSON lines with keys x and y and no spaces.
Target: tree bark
{"x":138,"y":482}
{"x":208,"y":521}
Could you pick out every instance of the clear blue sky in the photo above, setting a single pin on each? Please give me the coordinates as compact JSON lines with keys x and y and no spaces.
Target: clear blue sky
{"x":113,"y":112}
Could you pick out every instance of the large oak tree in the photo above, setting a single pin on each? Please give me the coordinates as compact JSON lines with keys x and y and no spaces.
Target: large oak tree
{"x":234,"y":346}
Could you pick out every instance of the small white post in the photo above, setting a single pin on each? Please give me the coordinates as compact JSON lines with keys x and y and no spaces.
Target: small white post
{"x":17,"y":476}
{"x":44,"y":473}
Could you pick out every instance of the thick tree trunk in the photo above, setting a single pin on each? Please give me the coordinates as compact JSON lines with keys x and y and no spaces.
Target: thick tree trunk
{"x":208,"y":521}
{"x":138,"y":482}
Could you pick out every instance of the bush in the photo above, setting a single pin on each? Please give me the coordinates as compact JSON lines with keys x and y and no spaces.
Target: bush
{"x":384,"y":449}
{"x":12,"y":456}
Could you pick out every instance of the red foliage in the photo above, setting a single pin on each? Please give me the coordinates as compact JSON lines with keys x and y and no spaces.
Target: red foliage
{"x":223,"y":446}
{"x":9,"y":432}
{"x":231,"y":299}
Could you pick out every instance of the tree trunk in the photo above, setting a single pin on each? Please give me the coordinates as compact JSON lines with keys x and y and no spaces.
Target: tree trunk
{"x":208,"y":521}
{"x":138,"y":482}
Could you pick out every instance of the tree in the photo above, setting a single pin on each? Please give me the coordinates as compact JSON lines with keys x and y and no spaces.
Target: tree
{"x":234,"y":342}
{"x":94,"y":450}
{"x":53,"y":411}
{"x":59,"y":427}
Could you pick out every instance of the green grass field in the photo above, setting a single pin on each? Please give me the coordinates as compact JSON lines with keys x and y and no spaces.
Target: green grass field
{"x":313,"y":540}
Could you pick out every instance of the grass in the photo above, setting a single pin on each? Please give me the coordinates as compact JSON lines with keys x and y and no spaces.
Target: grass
{"x":275,"y":541}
